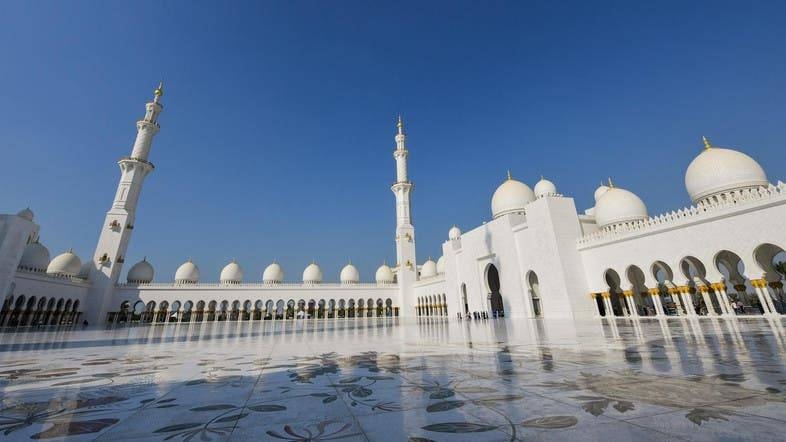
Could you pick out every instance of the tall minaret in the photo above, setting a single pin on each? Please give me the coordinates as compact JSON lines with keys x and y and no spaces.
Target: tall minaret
{"x":119,"y":223}
{"x":407,"y":269}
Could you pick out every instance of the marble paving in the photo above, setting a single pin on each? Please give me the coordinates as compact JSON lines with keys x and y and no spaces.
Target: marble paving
{"x":383,"y":379}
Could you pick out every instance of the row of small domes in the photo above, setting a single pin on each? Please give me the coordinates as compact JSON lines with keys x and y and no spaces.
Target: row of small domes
{"x":36,"y":257}
{"x":714,"y":171}
{"x":188,"y":273}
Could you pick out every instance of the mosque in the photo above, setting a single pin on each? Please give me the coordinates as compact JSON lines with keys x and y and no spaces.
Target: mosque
{"x":538,"y":256}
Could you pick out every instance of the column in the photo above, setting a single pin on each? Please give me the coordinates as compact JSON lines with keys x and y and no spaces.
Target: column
{"x":655,"y":295}
{"x":764,"y":296}
{"x":687,"y":300}
{"x":677,"y":297}
{"x":705,"y":295}
{"x":607,"y":303}
{"x":631,"y":302}
{"x":593,"y":297}
{"x":723,"y":298}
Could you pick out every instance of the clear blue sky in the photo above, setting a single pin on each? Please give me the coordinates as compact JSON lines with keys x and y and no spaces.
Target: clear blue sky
{"x":277,"y":135}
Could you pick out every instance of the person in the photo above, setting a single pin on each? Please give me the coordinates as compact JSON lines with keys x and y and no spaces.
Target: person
{"x":84,"y":323}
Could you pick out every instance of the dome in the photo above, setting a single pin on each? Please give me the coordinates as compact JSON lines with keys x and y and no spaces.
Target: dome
{"x":232,"y":273}
{"x":544,"y":187}
{"x":26,"y":214}
{"x":65,"y":264}
{"x":35,"y":257}
{"x":141,"y":273}
{"x":717,"y":170}
{"x":428,"y":269}
{"x":273,"y":274}
{"x":312,"y":274}
{"x":619,"y":206}
{"x":349,"y":274}
{"x":600,"y":191}
{"x":385,"y":275}
{"x":187,"y":273}
{"x":454,"y":233}
{"x":441,"y":265}
{"x":84,"y":271}
{"x":511,"y":196}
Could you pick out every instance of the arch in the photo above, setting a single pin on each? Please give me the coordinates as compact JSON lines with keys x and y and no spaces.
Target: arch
{"x":388,"y":307}
{"x":369,"y":307}
{"x":321,"y":313}
{"x":280,"y":309}
{"x":174,"y":314}
{"x":662,"y":272}
{"x":161,"y":315}
{"x":211,"y":310}
{"x":695,"y":274}
{"x":534,"y":292}
{"x":493,"y":285}
{"x":772,"y":259}
{"x":618,"y":308}
{"x":641,"y":302}
{"x":342,"y":308}
{"x":290,"y":311}
{"x":150,"y":309}
{"x":331,"y":308}
{"x":464,"y":301}
{"x":187,"y":314}
{"x":139,"y":310}
{"x":692,"y":267}
{"x":200,"y":311}
{"x":270,"y":308}
{"x":351,"y":308}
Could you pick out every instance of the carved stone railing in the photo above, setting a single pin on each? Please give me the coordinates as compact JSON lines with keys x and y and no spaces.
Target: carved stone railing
{"x":717,"y":205}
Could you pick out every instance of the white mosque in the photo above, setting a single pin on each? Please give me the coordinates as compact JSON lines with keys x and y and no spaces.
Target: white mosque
{"x":538,"y":256}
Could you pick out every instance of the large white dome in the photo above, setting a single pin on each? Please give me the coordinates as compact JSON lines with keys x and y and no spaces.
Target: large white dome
{"x":717,"y":170}
{"x":619,"y":206}
{"x":26,"y":214}
{"x":187,"y":273}
{"x":141,"y":273}
{"x":349,"y":274}
{"x":312,"y":274}
{"x":454,"y":233}
{"x":232,"y":273}
{"x":511,"y":196}
{"x":35,"y":257}
{"x":385,"y":275}
{"x":428,"y":269}
{"x":544,"y":187}
{"x":441,"y":264}
{"x":273,"y":274}
{"x":600,"y":191}
{"x":65,"y":264}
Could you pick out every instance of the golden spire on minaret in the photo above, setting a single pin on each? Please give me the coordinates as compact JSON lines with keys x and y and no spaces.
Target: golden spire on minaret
{"x":159,"y":91}
{"x":400,"y":125}
{"x":707,"y":144}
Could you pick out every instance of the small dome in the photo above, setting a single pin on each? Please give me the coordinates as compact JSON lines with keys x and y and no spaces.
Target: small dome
{"x":600,"y":191}
{"x":273,"y":274}
{"x":84,"y":272}
{"x":544,"y":187}
{"x":187,"y":273}
{"x":312,"y":274}
{"x":65,"y":264}
{"x":141,"y":273}
{"x":716,"y":170}
{"x":385,"y":275}
{"x":232,"y":273}
{"x":454,"y":233}
{"x":428,"y":269}
{"x":35,"y":257}
{"x":511,"y":196}
{"x":26,"y":214}
{"x":619,"y":206}
{"x":349,"y":274}
{"x":441,"y":265}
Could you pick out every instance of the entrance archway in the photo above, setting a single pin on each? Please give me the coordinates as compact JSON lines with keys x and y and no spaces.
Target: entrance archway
{"x":534,"y":293}
{"x":495,"y":297}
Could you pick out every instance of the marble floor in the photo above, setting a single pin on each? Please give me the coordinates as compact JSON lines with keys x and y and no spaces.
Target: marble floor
{"x":399,"y":380}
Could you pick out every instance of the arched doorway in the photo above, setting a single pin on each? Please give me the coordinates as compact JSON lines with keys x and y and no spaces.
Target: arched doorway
{"x":534,"y":293}
{"x":464,"y":299}
{"x":495,"y":297}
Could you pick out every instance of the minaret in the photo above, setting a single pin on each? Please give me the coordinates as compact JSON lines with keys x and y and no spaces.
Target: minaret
{"x":407,"y":270}
{"x":119,"y":223}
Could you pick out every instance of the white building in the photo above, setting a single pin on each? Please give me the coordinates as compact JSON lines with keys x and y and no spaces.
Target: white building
{"x":537,"y":257}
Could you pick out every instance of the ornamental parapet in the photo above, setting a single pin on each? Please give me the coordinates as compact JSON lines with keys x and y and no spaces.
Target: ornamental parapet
{"x":261,"y":285}
{"x":737,"y":200}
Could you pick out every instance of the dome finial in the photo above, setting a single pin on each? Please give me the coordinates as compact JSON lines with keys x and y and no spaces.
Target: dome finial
{"x":611,"y":185}
{"x":707,"y":144}
{"x":400,"y":125}
{"x":159,"y":91}
{"x":509,"y":176}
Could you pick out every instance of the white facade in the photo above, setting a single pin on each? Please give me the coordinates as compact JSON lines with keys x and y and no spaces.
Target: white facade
{"x":538,"y":256}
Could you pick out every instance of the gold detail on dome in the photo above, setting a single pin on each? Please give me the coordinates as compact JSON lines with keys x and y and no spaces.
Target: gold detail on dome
{"x":159,"y":90}
{"x":707,"y":144}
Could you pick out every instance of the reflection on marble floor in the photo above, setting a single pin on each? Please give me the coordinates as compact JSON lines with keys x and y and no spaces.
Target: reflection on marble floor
{"x":397,"y":380}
